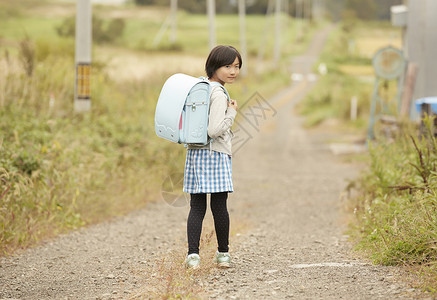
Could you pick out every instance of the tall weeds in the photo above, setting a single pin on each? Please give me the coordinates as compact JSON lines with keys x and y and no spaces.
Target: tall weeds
{"x":396,"y":210}
{"x":59,"y":170}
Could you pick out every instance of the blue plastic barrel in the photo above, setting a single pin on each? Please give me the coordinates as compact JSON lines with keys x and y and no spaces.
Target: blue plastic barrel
{"x":432,"y":101}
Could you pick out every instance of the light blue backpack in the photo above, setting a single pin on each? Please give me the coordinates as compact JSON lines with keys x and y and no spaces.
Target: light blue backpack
{"x":182,"y":111}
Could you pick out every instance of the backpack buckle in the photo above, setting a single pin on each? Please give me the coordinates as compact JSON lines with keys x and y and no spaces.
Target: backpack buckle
{"x":193,"y":108}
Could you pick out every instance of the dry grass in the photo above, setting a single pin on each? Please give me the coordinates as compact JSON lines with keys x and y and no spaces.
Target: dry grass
{"x":367,"y":46}
{"x":372,"y":37}
{"x":169,"y":279}
{"x":115,"y":146}
{"x":66,"y":9}
{"x":357,"y":70}
{"x":124,"y":64}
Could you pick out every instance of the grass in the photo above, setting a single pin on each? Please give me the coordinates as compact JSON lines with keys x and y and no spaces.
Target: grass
{"x":60,"y":170}
{"x":350,"y":74}
{"x":395,"y":220}
{"x":33,"y":26}
{"x":169,"y":279}
{"x":357,"y":70}
{"x":371,"y":36}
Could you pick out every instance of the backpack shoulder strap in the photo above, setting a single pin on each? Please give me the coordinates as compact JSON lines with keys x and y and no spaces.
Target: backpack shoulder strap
{"x":215,"y":83}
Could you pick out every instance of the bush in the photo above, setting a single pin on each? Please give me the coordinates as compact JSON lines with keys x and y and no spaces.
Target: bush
{"x":60,"y":170}
{"x":102,"y":32}
{"x":27,"y":55}
{"x":46,"y":49}
{"x":10,"y":10}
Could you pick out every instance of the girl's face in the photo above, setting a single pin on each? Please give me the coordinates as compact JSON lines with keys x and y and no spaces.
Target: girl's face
{"x":228,"y":73}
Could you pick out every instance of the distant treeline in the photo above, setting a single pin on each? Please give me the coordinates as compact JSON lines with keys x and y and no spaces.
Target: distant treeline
{"x":362,"y":9}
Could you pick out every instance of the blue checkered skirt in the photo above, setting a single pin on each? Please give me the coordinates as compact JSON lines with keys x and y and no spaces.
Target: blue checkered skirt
{"x":207,"y":172}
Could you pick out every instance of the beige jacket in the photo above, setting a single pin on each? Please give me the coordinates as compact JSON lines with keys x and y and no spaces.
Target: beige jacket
{"x":221,"y":118}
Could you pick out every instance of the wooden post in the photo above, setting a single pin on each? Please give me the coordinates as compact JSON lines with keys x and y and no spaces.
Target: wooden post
{"x":354,"y":108}
{"x":407,"y":95}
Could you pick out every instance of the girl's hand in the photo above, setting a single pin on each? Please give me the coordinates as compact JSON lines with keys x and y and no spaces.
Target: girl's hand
{"x":233,"y":104}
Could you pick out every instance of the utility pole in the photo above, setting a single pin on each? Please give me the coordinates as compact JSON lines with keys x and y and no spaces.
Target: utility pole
{"x":316,"y":9}
{"x":263,"y":43}
{"x":299,"y":19}
{"x":243,"y":42}
{"x":211,"y":17}
{"x":170,"y":21}
{"x":173,"y":13}
{"x":277,"y":51}
{"x":82,"y":92}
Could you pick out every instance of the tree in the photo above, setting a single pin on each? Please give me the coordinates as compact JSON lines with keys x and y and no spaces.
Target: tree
{"x":364,"y":9}
{"x":383,"y":8}
{"x":103,"y":32}
{"x":222,"y":6}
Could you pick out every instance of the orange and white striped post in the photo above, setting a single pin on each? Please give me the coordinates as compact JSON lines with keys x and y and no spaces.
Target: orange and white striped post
{"x":82,"y":92}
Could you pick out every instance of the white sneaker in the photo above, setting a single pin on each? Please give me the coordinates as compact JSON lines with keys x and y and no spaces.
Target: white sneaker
{"x":192,"y":261}
{"x":223,"y":259}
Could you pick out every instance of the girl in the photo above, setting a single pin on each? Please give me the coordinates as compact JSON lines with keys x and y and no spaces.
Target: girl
{"x":208,"y":169}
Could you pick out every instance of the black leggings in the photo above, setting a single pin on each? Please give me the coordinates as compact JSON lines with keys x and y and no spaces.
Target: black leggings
{"x":221,"y":220}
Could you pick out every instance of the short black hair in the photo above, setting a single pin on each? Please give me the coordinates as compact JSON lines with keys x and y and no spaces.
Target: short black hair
{"x":220,"y":56}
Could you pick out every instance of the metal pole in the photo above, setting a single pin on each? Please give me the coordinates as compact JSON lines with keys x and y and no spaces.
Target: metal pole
{"x":243,"y":43}
{"x":277,"y":51}
{"x":211,"y":18}
{"x":370,"y":132}
{"x":173,"y":13}
{"x":161,"y":31}
{"x":263,"y":43}
{"x":82,"y":92}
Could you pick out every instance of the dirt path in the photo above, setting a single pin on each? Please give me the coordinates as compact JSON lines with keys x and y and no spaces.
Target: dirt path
{"x":288,"y":194}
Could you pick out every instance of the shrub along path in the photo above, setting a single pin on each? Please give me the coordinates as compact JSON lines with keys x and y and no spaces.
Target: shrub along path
{"x":287,"y":235}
